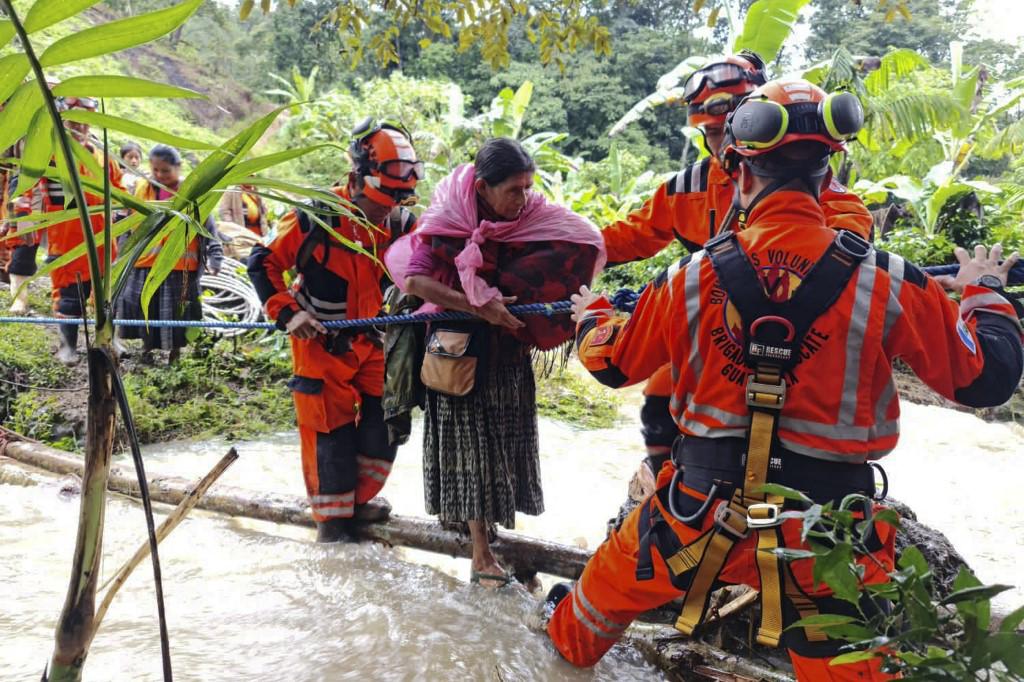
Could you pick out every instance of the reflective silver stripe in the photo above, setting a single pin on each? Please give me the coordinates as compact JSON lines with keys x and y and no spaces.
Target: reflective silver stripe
{"x":680,"y":182}
{"x":701,"y":429}
{"x":343,"y":512}
{"x":818,"y":453}
{"x":726,"y":418}
{"x":692,"y":284}
{"x":976,"y":301}
{"x":381,"y":464}
{"x":893,"y":309}
{"x":855,"y":338}
{"x":326,"y":305}
{"x":304,"y":302}
{"x":375,"y":475}
{"x":327,"y":499}
{"x":674,"y":371}
{"x":841,"y":431}
{"x":673,"y":270}
{"x":598,"y":617}
{"x":882,"y":404}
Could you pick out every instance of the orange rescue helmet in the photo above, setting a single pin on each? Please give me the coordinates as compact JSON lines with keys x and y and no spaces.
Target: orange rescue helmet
{"x":383,"y":156}
{"x":714,"y":90}
{"x":784,"y":111}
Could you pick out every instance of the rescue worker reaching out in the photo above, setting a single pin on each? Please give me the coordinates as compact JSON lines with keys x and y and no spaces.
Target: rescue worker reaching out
{"x":339,"y":376}
{"x":781,"y":339}
{"x":692,"y":207}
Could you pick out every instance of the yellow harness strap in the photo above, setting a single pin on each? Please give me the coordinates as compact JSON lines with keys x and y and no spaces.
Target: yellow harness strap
{"x":750,"y":508}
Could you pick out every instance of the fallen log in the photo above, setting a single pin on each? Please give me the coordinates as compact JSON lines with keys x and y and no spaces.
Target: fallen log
{"x":523,"y":553}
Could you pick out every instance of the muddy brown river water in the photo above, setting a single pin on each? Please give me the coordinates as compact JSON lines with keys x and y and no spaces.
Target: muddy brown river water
{"x":255,"y":601}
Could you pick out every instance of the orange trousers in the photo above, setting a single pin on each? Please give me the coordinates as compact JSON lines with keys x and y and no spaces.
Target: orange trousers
{"x":608,"y":597}
{"x":346,"y":457}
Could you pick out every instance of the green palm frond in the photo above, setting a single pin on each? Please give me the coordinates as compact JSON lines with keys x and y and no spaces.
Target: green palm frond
{"x":912,"y":116}
{"x":1008,"y":140}
{"x":894,"y":66}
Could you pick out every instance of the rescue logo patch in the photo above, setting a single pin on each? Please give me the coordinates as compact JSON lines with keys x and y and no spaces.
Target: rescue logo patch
{"x":602,"y":336}
{"x":965,"y":336}
{"x":781,"y":273}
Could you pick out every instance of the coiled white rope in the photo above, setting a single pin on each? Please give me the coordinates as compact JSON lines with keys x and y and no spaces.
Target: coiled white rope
{"x":228,"y":296}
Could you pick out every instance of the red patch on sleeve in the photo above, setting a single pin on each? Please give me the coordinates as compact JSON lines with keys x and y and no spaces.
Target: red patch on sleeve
{"x":602,"y":336}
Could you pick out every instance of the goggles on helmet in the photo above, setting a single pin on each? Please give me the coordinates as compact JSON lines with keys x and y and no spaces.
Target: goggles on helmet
{"x":399,"y":169}
{"x":720,"y":75}
{"x":761,"y":124}
{"x":65,"y":103}
{"x":719,"y":104}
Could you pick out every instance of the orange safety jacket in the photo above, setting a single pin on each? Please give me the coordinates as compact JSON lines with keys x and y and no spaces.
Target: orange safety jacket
{"x":48,"y":196}
{"x":691,"y":205}
{"x":363,"y":297}
{"x":254,"y":213}
{"x":190,"y":259}
{"x":841,"y":399}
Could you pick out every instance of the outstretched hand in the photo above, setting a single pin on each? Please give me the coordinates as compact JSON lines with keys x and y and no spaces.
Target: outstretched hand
{"x":582,"y":301}
{"x":984,"y":262}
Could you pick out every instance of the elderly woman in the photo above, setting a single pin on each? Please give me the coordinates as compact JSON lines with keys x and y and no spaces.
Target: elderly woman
{"x":486,"y":241}
{"x":177,"y":298}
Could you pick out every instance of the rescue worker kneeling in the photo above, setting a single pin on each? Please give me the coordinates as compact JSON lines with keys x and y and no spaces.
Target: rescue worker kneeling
{"x":339,"y":375}
{"x":781,"y":339}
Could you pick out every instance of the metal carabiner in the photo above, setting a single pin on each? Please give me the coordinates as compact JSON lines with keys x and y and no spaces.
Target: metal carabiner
{"x":674,"y":490}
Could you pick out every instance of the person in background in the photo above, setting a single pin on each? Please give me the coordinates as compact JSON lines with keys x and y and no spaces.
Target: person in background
{"x":242,"y":220}
{"x":244,"y":207}
{"x":339,"y":375}
{"x":487,"y":240}
{"x":48,"y":196}
{"x":177,"y":297}
{"x":131,"y":162}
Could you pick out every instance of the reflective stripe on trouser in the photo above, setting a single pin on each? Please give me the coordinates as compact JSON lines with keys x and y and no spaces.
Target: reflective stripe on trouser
{"x":337,"y":407}
{"x":583,"y":629}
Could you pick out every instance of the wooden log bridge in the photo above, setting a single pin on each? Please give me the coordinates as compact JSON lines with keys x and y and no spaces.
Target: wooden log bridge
{"x":526,"y":555}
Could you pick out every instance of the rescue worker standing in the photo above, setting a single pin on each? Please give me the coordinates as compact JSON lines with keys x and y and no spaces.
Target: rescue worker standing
{"x":781,"y":339}
{"x":692,"y":207}
{"x":48,"y":196}
{"x":339,"y":376}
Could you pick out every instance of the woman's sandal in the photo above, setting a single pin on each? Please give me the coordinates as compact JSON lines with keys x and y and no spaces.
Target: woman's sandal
{"x":505,"y":579}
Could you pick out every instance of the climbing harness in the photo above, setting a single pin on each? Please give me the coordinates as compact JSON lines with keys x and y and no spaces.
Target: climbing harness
{"x":773,"y":332}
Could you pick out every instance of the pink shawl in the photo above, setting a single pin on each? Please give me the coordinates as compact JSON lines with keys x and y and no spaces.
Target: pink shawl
{"x":453,"y":213}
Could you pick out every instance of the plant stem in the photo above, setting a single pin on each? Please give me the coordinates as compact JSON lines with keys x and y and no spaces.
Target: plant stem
{"x":75,"y":625}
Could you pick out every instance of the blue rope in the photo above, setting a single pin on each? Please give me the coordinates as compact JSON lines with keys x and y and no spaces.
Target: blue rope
{"x":1014,"y":277}
{"x":546,"y":309}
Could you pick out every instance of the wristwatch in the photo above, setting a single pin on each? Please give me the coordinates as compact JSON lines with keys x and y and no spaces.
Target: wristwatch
{"x":989,"y":281}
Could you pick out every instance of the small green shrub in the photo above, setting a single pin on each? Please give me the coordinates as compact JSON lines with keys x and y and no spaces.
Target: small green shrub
{"x":581,"y":401}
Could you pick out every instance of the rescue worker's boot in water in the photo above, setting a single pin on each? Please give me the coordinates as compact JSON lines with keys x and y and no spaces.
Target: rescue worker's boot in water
{"x":335,"y":530}
{"x":67,"y":352}
{"x":19,"y":295}
{"x":376,"y":510}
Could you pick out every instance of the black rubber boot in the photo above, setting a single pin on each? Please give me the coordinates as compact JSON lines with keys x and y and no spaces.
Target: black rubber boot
{"x":375,"y":511}
{"x":335,"y":530}
{"x":556,"y":594}
{"x":67,"y":351}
